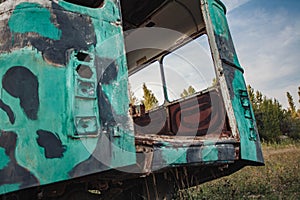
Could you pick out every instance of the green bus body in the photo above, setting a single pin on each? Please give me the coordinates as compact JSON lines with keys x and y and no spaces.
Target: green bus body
{"x":64,"y":98}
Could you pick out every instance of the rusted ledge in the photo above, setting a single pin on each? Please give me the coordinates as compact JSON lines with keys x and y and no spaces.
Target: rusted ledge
{"x":180,"y":141}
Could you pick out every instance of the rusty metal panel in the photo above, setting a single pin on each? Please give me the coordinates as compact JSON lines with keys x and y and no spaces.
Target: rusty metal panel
{"x":63,"y":99}
{"x":207,"y":153}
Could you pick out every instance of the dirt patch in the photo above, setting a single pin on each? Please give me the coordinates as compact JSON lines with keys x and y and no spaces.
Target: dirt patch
{"x":269,"y":151}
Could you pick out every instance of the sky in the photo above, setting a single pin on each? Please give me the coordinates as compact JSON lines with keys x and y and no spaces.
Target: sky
{"x":266,"y":35}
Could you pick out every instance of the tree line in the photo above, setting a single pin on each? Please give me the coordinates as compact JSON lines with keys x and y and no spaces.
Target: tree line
{"x":149,"y":100}
{"x":273,"y":121}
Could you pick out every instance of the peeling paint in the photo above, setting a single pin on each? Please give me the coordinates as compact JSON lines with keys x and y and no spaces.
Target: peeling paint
{"x":232,"y":82}
{"x":38,"y":20}
{"x":42,"y":38}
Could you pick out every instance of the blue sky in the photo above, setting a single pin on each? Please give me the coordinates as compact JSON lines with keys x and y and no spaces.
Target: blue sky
{"x":267,"y":40}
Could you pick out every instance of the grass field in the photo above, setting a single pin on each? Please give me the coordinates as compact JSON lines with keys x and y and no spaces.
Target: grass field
{"x":278,"y":179}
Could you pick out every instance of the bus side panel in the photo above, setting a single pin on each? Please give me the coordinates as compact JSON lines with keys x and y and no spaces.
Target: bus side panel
{"x":55,"y":126}
{"x":232,"y":82}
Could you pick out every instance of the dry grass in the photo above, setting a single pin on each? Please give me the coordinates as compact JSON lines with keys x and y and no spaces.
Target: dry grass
{"x":278,"y":179}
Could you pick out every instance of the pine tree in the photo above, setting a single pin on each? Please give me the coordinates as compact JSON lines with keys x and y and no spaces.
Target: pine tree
{"x":191,"y":90}
{"x":259,"y":98}
{"x":150,"y":100}
{"x":299,"y":94}
{"x":251,"y":94}
{"x":214,"y":82}
{"x":292,"y":107}
{"x":132,"y":99}
{"x":298,"y":111}
{"x":268,"y":114}
{"x":270,"y":117}
{"x":187,"y":92}
{"x":184,"y":93}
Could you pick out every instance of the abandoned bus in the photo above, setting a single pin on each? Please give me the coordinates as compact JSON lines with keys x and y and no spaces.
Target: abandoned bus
{"x":108,"y":99}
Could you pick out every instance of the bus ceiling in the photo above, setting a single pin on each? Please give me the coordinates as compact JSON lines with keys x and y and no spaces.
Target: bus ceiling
{"x":153,"y":28}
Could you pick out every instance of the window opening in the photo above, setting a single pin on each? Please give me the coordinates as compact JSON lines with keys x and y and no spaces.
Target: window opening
{"x":145,"y":88}
{"x":189,"y":69}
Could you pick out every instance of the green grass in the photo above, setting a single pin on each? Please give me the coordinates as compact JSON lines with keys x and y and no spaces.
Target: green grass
{"x":278,"y":179}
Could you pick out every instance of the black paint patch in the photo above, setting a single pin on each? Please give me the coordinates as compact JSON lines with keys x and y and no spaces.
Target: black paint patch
{"x":229,"y":73}
{"x":194,"y":154}
{"x":89,"y":166}
{"x":21,"y":83}
{"x":110,"y":73}
{"x":226,"y":48}
{"x":106,"y":113}
{"x":13,"y":173}
{"x":107,"y":70}
{"x":8,"y":111}
{"x":77,"y":33}
{"x":51,"y":143}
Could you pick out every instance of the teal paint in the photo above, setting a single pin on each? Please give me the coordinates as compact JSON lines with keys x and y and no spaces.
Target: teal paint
{"x":220,"y":25}
{"x":83,"y":96}
{"x":110,"y":45}
{"x":249,"y":147}
{"x":38,"y":20}
{"x":56,"y":95}
{"x":172,"y":155}
{"x":9,"y":187}
{"x":123,"y":152}
{"x":4,"y":158}
{"x":114,"y":92}
{"x":52,"y":116}
{"x":209,"y":153}
{"x":218,"y":20}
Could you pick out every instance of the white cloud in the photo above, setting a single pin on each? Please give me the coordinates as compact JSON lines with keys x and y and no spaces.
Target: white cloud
{"x":268,"y":44}
{"x":233,"y":4}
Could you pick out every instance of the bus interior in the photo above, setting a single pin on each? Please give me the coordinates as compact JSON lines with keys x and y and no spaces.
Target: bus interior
{"x":169,"y":57}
